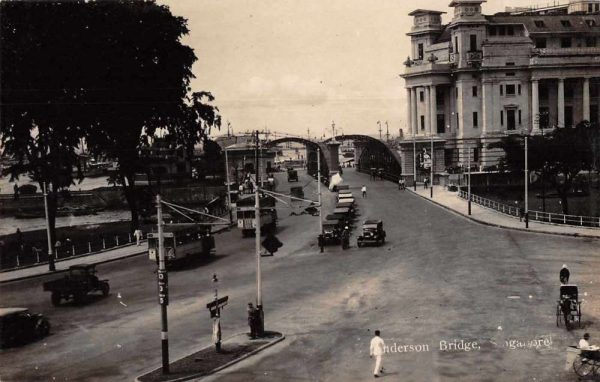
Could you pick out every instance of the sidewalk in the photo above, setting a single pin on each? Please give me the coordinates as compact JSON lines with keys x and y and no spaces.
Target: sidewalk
{"x":62,"y":265}
{"x":451,"y":201}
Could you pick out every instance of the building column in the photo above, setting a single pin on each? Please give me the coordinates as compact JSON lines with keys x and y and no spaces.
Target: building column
{"x":409,"y":112}
{"x":561,"y":102}
{"x":427,"y":113}
{"x":433,"y":111}
{"x":487,"y":106}
{"x":535,"y":106}
{"x":414,"y":114}
{"x":586,"y":99}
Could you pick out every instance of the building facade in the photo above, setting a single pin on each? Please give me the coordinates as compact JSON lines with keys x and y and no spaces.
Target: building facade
{"x":481,"y":77}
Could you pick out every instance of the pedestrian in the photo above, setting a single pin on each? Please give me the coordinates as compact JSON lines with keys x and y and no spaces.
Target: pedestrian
{"x":251,"y":320}
{"x":321,"y":241}
{"x":425,"y":182}
{"x":564,"y":274}
{"x":376,"y":350}
{"x":138,"y":235}
{"x":588,"y":351}
{"x":16,"y":191}
{"x":364,"y":191}
{"x":57,"y":246}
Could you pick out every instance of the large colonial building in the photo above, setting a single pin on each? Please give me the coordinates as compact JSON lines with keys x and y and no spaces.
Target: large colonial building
{"x":481,"y":77}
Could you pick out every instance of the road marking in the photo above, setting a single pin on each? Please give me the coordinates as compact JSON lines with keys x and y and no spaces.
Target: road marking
{"x":513,"y":297}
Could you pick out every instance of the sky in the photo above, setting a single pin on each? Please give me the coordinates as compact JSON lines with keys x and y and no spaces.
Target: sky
{"x":295,"y":66}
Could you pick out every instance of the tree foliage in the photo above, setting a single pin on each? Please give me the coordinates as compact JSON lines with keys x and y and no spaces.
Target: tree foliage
{"x":558,"y":156}
{"x":111,"y":72}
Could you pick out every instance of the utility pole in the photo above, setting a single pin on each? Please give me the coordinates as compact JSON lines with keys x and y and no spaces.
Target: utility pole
{"x":379,"y":123}
{"x":414,"y":162}
{"x":431,"y":187}
{"x":387,"y":132}
{"x":51,"y":265}
{"x":469,"y":179}
{"x":526,"y":185}
{"x":228,"y":186}
{"x":319,"y":190}
{"x":228,"y":127}
{"x":259,"y":306}
{"x":163,"y":288}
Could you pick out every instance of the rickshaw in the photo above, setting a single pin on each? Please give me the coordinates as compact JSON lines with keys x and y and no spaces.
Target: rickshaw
{"x":584,"y":362}
{"x":568,"y":306}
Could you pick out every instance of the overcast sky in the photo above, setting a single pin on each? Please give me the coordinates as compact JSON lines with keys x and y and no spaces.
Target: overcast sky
{"x":293,"y":65}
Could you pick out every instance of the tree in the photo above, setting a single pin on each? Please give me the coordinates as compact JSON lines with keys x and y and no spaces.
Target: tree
{"x":559,"y":156}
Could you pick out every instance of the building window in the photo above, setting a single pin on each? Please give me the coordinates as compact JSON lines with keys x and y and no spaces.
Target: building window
{"x":539,"y":23}
{"x":519,"y":117}
{"x":441,"y":124}
{"x":475,"y":121}
{"x":510,"y":74}
{"x":473,"y":42}
{"x":510,"y":119}
{"x":456,"y":92}
{"x":492,"y":31}
{"x":420,"y":53}
{"x":457,"y":122}
{"x":422,"y":122}
{"x":456,"y":44}
{"x":476,"y":154}
{"x":590,"y":8}
{"x":502,"y":30}
{"x":568,"y":116}
{"x":501,"y":89}
{"x":597,"y":7}
{"x":565,"y":23}
{"x":510,"y":64}
{"x":590,"y":42}
{"x":565,"y":42}
{"x":422,"y":96}
{"x":510,"y":30}
{"x":510,"y":90}
{"x":540,"y":43}
{"x":474,"y":91}
{"x":501,"y":117}
{"x":439,"y":98}
{"x":519,"y":89}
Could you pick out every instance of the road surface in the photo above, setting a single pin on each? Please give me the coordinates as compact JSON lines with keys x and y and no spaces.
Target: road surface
{"x":439,"y":277}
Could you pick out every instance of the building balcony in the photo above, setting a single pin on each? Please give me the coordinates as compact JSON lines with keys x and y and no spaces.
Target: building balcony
{"x":568,"y":56}
{"x":426,"y":67}
{"x":562,"y":52}
{"x":474,"y":56}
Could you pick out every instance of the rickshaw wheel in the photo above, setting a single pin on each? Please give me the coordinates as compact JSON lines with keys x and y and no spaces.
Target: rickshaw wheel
{"x":582,"y":368}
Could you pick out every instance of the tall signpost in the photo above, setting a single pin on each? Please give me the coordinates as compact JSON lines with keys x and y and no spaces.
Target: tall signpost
{"x":259,"y":306}
{"x":163,"y":288}
{"x":51,"y":265}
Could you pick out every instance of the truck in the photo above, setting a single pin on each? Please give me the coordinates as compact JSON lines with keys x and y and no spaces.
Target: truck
{"x":79,"y":281}
{"x":246,"y":220}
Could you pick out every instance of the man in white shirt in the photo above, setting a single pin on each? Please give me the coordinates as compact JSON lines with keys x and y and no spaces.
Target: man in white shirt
{"x":589,"y":351}
{"x":364,"y":191}
{"x":377,"y":349}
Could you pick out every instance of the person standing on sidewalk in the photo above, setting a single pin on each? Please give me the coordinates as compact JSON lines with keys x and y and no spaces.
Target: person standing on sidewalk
{"x":376,"y":350}
{"x":364,"y":191}
{"x":138,"y":236}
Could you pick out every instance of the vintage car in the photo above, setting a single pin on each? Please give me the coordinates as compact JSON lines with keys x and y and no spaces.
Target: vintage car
{"x":332,"y":232}
{"x":372,"y":233}
{"x":292,"y":175}
{"x":297,"y":192}
{"x":18,"y":326}
{"x":80,"y":280}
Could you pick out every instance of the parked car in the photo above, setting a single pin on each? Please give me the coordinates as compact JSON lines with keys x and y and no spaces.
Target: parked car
{"x":18,"y":326}
{"x":372,"y":233}
{"x":292,"y":175}
{"x":76,"y":285}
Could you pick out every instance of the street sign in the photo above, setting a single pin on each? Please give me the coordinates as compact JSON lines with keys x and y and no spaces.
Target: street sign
{"x":217,"y":303}
{"x":163,"y":287}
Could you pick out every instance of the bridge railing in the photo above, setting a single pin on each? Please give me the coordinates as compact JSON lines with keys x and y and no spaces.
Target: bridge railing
{"x":542,"y":217}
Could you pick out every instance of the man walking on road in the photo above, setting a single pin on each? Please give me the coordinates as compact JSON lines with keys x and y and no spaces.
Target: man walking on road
{"x":564,"y":274}
{"x":364,"y":191}
{"x":376,"y":349}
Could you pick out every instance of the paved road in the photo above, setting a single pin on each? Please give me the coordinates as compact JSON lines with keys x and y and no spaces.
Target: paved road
{"x":440,"y":277}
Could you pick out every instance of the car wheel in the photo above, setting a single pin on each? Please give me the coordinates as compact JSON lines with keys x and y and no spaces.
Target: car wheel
{"x":79,"y":297}
{"x":105,"y":289}
{"x":55,"y":298}
{"x":42,"y":328}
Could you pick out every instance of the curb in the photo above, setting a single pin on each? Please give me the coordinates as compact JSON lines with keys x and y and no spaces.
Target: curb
{"x":91,"y":262}
{"x":217,"y":369}
{"x":530,"y":230}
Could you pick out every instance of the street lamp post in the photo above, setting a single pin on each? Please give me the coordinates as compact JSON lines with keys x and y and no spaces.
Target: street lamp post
{"x":163,"y":288}
{"x":228,"y":185}
{"x":51,"y":265}
{"x":414,"y":162}
{"x":526,"y":185}
{"x":431,"y":183}
{"x":319,"y":190}
{"x":469,"y":179}
{"x":259,"y":306}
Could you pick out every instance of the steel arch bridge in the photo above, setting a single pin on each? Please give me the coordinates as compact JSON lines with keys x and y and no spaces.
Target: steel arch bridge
{"x":374,"y":154}
{"x":312,"y":148}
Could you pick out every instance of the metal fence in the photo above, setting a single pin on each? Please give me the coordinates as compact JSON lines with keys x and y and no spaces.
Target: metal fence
{"x":543,"y":217}
{"x":12,"y":256}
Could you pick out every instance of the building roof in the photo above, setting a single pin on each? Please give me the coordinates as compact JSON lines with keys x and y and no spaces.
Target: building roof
{"x":549,"y":23}
{"x":424,"y":11}
{"x":454,"y":3}
{"x":445,"y":36}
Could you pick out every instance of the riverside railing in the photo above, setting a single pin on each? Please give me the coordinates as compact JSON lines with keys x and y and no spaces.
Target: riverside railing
{"x":542,"y":217}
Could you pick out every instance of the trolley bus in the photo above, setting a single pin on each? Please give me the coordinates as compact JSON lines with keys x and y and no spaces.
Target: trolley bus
{"x":245,"y":214}
{"x":182,"y":244}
